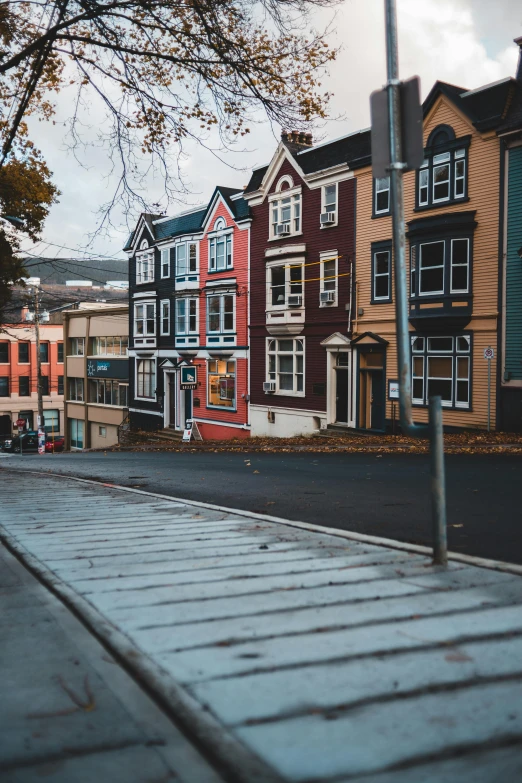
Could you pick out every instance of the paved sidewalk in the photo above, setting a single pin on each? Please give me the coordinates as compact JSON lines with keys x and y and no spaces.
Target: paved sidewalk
{"x":70,"y":713}
{"x":290,"y":655}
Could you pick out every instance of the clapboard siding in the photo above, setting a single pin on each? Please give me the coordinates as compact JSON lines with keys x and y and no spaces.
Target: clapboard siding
{"x":483,"y":191}
{"x":320,"y":322}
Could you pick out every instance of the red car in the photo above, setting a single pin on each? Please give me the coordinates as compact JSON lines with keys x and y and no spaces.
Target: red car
{"x":54,"y":445}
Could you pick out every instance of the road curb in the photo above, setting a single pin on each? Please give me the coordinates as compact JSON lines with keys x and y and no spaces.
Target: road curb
{"x":231,"y":759}
{"x":480,"y":562}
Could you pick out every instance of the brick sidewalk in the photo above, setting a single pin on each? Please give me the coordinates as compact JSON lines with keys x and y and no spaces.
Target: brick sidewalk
{"x":291,"y":655}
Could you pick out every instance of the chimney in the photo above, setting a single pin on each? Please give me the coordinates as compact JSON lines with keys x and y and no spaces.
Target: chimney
{"x":284,"y":135}
{"x":518,"y":42}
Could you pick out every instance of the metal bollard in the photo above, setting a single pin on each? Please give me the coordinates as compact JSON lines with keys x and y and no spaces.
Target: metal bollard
{"x":438,"y":483}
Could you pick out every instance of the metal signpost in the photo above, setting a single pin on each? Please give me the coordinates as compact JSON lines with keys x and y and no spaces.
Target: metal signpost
{"x":398,"y":120}
{"x":489,"y":354}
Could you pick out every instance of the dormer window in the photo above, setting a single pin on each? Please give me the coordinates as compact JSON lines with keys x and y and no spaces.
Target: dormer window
{"x":442,"y":178}
{"x":220,"y":255}
{"x":145,"y":263}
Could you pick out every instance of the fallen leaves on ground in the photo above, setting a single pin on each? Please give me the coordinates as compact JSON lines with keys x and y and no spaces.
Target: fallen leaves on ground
{"x":468,"y":442}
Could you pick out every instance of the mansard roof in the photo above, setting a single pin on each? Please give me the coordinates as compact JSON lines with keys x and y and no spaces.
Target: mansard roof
{"x":354,"y":149}
{"x":486,"y":107}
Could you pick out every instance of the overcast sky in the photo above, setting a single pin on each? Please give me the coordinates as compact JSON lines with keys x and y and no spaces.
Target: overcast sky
{"x":465,"y":42}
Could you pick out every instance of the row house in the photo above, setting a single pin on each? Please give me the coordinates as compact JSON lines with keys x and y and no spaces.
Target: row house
{"x":19,"y":377}
{"x":453,"y":230}
{"x":189,"y":308}
{"x":510,"y":336}
{"x":302,"y":284}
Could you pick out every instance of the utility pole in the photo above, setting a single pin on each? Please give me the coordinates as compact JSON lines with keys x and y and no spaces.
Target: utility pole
{"x":41,"y":431}
{"x":396,"y":169}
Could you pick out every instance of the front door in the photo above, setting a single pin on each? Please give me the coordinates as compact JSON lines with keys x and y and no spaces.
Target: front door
{"x":371,"y":390}
{"x":341,"y":392}
{"x":377,"y":400}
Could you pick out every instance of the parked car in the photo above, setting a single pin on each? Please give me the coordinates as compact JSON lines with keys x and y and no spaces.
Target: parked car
{"x":54,"y":444}
{"x":25,"y":443}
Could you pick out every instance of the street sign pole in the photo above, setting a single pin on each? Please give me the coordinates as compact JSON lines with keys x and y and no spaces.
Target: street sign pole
{"x":396,"y":169}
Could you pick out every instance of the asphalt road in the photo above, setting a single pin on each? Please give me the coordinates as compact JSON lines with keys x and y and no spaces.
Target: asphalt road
{"x":384,"y":495}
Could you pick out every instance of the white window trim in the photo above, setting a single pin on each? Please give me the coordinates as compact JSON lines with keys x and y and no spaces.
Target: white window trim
{"x":286,"y":179}
{"x":285,"y":392}
{"x":424,"y":169}
{"x":278,"y":196}
{"x":325,"y":208}
{"x":232,"y":409}
{"x":419,"y":269}
{"x":436,"y":166}
{"x":224,"y":233}
{"x":329,"y":256}
{"x":167,"y":251}
{"x":187,"y":243}
{"x":375,"y":275}
{"x":222,"y":330}
{"x":467,"y":265}
{"x":187,"y":319}
{"x":162,"y":317}
{"x":141,"y":359}
{"x":454,"y":354}
{"x":145,"y":250}
{"x":287,"y":264}
{"x":382,"y":190}
{"x":144,"y":303}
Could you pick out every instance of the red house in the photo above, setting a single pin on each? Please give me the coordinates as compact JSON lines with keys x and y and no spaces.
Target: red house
{"x":221,"y":401}
{"x":302,"y":249}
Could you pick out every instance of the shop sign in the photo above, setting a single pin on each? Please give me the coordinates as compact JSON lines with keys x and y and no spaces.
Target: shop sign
{"x":189,"y":377}
{"x":108,"y":368}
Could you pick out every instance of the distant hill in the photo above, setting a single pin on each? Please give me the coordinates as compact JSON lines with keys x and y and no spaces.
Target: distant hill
{"x":57,"y":271}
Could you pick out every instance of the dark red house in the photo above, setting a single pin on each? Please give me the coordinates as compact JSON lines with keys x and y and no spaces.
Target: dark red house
{"x":302,"y":250}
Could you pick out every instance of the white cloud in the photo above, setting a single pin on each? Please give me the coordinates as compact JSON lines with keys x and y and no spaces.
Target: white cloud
{"x":465,"y":42}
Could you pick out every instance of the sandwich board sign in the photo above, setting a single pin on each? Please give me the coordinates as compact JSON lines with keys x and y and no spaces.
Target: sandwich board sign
{"x":191,"y":431}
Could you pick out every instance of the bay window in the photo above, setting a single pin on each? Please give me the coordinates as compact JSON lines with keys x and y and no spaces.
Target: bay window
{"x":221,"y":383}
{"x":145,"y":319}
{"x":186,"y":316}
{"x":146,"y":378}
{"x":441,"y":365}
{"x":220,"y":313}
{"x":284,"y":280}
{"x":440,"y":267}
{"x":285,"y":365}
{"x":186,"y":259}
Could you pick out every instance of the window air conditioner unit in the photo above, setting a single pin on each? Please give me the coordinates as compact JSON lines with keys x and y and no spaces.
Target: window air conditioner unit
{"x":282,"y":228}
{"x":295,"y":300}
{"x":327,"y":297}
{"x":327,"y":218}
{"x":269,"y":387}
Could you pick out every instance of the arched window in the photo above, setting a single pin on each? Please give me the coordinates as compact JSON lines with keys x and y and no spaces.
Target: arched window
{"x":442,"y":178}
{"x":220,"y":224}
{"x":285,"y":183}
{"x":144,"y":245}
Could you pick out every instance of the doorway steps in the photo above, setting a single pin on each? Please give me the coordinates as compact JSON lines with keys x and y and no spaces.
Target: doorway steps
{"x":169,"y":434}
{"x":337,"y":430}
